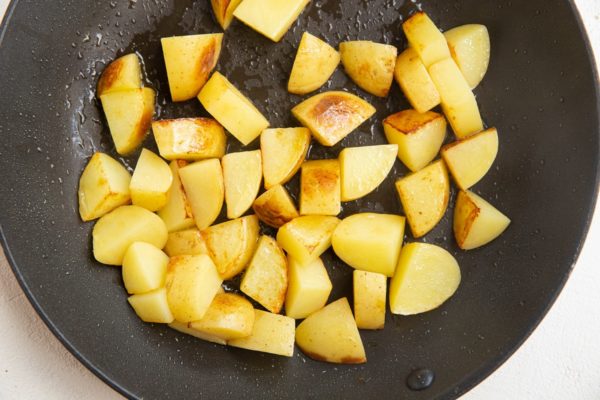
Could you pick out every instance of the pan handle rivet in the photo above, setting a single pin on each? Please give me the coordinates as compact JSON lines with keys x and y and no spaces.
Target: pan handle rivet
{"x":420,"y":379}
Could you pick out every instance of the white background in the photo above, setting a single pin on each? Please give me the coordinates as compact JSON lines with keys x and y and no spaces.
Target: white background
{"x":561,"y":360}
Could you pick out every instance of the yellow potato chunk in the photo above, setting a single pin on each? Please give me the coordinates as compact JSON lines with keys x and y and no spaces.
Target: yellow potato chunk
{"x":283,"y":151}
{"x":476,"y":222}
{"x":187,"y":242}
{"x":427,"y":40}
{"x":121,"y":74}
{"x":184,"y":328}
{"x":103,"y":186}
{"x":308,"y":288}
{"x":364,"y":168}
{"x":271,"y":333}
{"x":232,"y":109}
{"x":116,"y":231}
{"x":331,"y":335}
{"x":231,"y":244}
{"x":275,"y":207}
{"x":470,"y":159}
{"x":315,"y":62}
{"x":177,"y":213}
{"x":203,"y":185}
{"x":331,"y":116}
{"x":229,"y":316}
{"x":369,"y":299}
{"x":369,"y":241}
{"x":370,"y":65}
{"x":306,"y":238}
{"x":192,"y":283}
{"x":190,"y":60}
{"x":320,"y":188}
{"x":424,"y":196}
{"x":152,"y":306}
{"x":144,"y":268}
{"x":271,"y":18}
{"x":189,"y":139}
{"x":419,"y":136}
{"x":128,"y":113}
{"x":223,"y":10}
{"x":415,"y":82}
{"x":242,"y":175}
{"x":427,"y":275}
{"x":470,"y":48}
{"x":151,"y":181}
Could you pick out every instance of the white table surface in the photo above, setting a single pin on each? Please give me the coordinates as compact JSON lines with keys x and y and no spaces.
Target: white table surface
{"x":561,"y":359}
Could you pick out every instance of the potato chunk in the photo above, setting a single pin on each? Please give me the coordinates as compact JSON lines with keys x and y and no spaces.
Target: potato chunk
{"x":121,"y":74}
{"x":275,"y":207}
{"x":331,"y":335}
{"x":150,"y":182}
{"x":470,"y":48}
{"x":370,"y":65}
{"x":369,"y":299}
{"x":369,"y":241}
{"x":283,"y":151}
{"x":266,"y":278}
{"x":190,"y":60}
{"x":271,"y":333}
{"x":177,"y":213}
{"x":103,"y":186}
{"x":152,"y":306}
{"x":184,"y":328}
{"x":203,"y":185}
{"x":144,"y":268}
{"x":426,"y":277}
{"x":229,"y":316}
{"x":476,"y":222}
{"x":189,"y":139}
{"x":271,"y":18}
{"x":320,"y":188}
{"x":242,"y":175}
{"x":306,"y":238}
{"x":427,"y":40}
{"x":331,"y":116}
{"x":223,"y":10}
{"x":116,"y":231}
{"x":424,"y":196}
{"x":415,"y":82}
{"x":419,"y":136}
{"x":315,"y":62}
{"x":187,"y":242}
{"x":308,"y":288}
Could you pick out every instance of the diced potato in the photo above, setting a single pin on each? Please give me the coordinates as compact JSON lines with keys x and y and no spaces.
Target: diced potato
{"x":470,"y":159}
{"x":128,"y":113}
{"x":427,"y":275}
{"x":116,"y":231}
{"x":306,"y":238}
{"x":369,"y":299}
{"x":152,"y":306}
{"x":427,"y":40}
{"x":476,"y":222}
{"x":275,"y":207}
{"x":151,"y":181}
{"x":144,"y":268}
{"x":189,"y":139}
{"x":308,"y":288}
{"x":424,"y":196}
{"x":320,"y":188}
{"x":229,"y":316}
{"x":231,"y":244}
{"x":331,"y":335}
{"x":184,"y":328}
{"x":192,"y":283}
{"x":272,"y":333}
{"x":370,"y":65}
{"x":177,"y":213}
{"x":369,"y":241}
{"x":457,"y":99}
{"x":232,"y":109}
{"x":266,"y":278}
{"x":419,"y":136}
{"x":271,"y":18}
{"x":190,"y":60}
{"x":364,"y":168}
{"x":283,"y":151}
{"x":121,"y":74}
{"x":242,"y":175}
{"x":103,"y":186}
{"x":187,"y":242}
{"x":331,"y":116}
{"x":203,"y":185}
{"x":415,"y":82}
{"x":315,"y":62}
{"x":470,"y":48}
{"x":223,"y":10}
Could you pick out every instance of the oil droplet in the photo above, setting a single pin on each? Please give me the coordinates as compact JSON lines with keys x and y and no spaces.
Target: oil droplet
{"x":420,"y":379}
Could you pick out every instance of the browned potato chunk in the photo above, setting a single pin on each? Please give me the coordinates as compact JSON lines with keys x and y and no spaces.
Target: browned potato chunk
{"x":275,"y":207}
{"x":223,"y":10}
{"x":229,"y":316}
{"x":121,"y":74}
{"x":283,"y":151}
{"x":370,"y":65}
{"x":320,"y":188}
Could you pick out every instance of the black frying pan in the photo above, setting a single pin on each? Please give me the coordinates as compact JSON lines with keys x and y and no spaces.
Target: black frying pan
{"x":541,"y":92}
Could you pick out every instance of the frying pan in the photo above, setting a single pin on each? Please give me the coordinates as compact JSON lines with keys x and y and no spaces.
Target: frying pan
{"x":541,"y":93}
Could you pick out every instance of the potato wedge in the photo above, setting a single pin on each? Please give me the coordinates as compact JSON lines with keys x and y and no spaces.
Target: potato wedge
{"x":283,"y":151}
{"x":265,"y":279}
{"x":427,"y":40}
{"x":242,"y":175}
{"x":275,"y":207}
{"x":184,"y":328}
{"x":476,"y":222}
{"x":188,"y":242}
{"x":369,"y":299}
{"x":271,"y":333}
{"x":271,"y":18}
{"x":306,"y":238}
{"x":415,"y":82}
{"x":223,"y":10}
{"x":320,"y":188}
{"x":144,"y":268}
{"x":331,"y":335}
{"x":315,"y":62}
{"x":189,"y":139}
{"x":370,"y":65}
{"x":151,"y":181}
{"x":419,"y":136}
{"x":229,"y":316}
{"x":103,"y":186}
{"x":189,"y":61}
{"x":308,"y":288}
{"x":364,"y":168}
{"x":123,"y":73}
{"x":177,"y":213}
{"x":152,"y":306}
{"x":203,"y":185}
{"x":470,"y":48}
{"x":424,"y":196}
{"x":331,"y":116}
{"x":427,"y":275}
